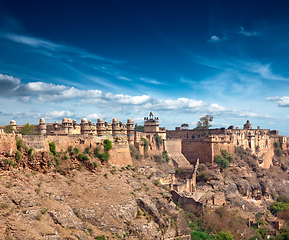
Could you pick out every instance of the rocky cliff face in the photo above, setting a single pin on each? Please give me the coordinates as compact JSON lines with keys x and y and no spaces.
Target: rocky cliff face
{"x":74,"y":199}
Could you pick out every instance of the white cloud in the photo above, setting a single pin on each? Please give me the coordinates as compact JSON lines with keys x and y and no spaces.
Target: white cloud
{"x":255,"y":115}
{"x":153,"y":81}
{"x":281,"y":101}
{"x":93,"y":116}
{"x":214,"y":39}
{"x":264,"y":70}
{"x":33,"y":42}
{"x":56,"y":114}
{"x":242,"y":31}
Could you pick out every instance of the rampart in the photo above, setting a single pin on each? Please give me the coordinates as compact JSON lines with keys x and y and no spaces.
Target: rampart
{"x":120,"y":153}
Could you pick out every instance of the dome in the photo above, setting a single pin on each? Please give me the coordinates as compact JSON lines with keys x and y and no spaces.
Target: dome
{"x":115,"y":120}
{"x":55,"y":122}
{"x":83,"y":120}
{"x":69,"y":120}
{"x":42,"y":120}
{"x":100,"y":120}
{"x":12,"y":122}
{"x":129,"y":120}
{"x":90,"y":122}
{"x":74,"y":121}
{"x":64,"y":120}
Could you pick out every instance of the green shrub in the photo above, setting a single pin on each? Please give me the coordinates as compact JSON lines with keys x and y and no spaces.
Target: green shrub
{"x":278,"y":207}
{"x":18,"y":155}
{"x":222,"y":162}
{"x":107,"y":145}
{"x":95,"y":164}
{"x":80,"y":156}
{"x":203,"y":177}
{"x":227,"y":155}
{"x":276,"y":144}
{"x":85,"y":157}
{"x":65,"y":157}
{"x":8,"y":129}
{"x":57,"y":160}
{"x":278,"y":152}
{"x":69,"y":149}
{"x":96,"y":152}
{"x":146,"y":143}
{"x":86,"y":151}
{"x":100,"y":237}
{"x":52,"y":148}
{"x":104,"y":156}
{"x":262,"y":231}
{"x":158,"y":159}
{"x":10,"y":162}
{"x":159,"y":141}
{"x":165,"y":155}
{"x":134,"y":152}
{"x":224,"y":236}
{"x":19,"y":143}
{"x":75,"y":150}
{"x":27,"y":129}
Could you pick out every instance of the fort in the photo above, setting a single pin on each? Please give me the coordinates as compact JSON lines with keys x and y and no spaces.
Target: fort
{"x":186,"y":147}
{"x":193,"y":144}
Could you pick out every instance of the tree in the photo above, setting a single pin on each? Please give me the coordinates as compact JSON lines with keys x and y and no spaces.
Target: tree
{"x":204,"y":122}
{"x":139,"y":128}
{"x":8,"y":129}
{"x":27,"y":129}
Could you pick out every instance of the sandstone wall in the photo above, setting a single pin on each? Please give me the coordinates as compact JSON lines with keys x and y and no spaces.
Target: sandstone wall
{"x":7,"y":143}
{"x":120,"y":153}
{"x":196,"y":149}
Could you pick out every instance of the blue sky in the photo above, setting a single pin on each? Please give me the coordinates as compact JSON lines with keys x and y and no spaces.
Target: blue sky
{"x":179,"y":59}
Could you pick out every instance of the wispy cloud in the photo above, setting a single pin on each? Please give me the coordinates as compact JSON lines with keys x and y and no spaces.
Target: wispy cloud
{"x":214,"y":39}
{"x":281,"y":101}
{"x":153,"y":81}
{"x":242,"y":31}
{"x":52,"y":49}
{"x":264,"y":70}
{"x":55,"y":115}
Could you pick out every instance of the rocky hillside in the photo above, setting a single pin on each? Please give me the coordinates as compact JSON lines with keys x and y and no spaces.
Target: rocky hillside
{"x":63,"y":196}
{"x":72,"y":195}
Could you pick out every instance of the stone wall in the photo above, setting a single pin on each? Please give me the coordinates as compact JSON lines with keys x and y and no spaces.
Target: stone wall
{"x":194,"y":149}
{"x":120,"y":153}
{"x":188,"y":203}
{"x":8,"y":143}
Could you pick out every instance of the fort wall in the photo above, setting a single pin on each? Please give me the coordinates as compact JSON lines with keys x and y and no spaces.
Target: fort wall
{"x":194,"y":149}
{"x":120,"y":153}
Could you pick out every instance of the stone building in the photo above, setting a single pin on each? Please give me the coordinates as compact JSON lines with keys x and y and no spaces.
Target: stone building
{"x":205,"y":144}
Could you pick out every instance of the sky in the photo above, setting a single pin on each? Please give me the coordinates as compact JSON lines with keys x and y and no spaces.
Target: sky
{"x":180,"y":59}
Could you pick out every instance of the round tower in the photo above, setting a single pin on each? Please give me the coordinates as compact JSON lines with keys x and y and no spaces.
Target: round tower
{"x":84,"y":126}
{"x":130,"y":131}
{"x":100,"y":127}
{"x":69,"y":125}
{"x":65,"y":125}
{"x":13,"y":125}
{"x":115,"y":127}
{"x":42,"y":126}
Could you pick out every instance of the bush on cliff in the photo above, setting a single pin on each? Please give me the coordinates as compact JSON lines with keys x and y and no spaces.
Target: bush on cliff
{"x":159,"y":141}
{"x":146,"y":144}
{"x":222,"y":162}
{"x":8,"y":129}
{"x":52,"y":148}
{"x":27,"y":129}
{"x":107,"y":145}
{"x":203,"y":177}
